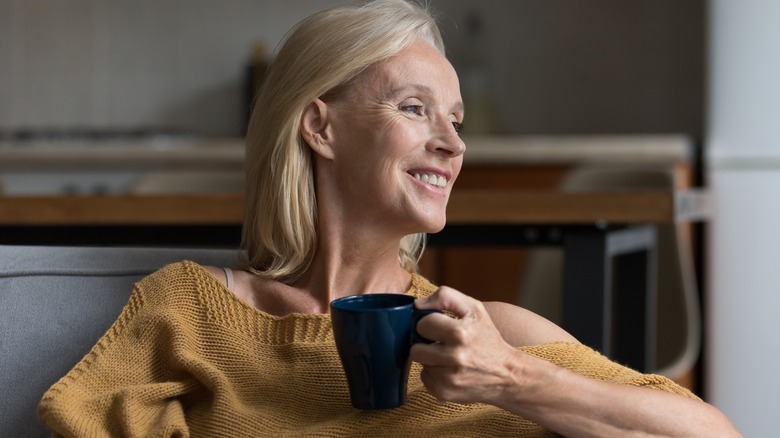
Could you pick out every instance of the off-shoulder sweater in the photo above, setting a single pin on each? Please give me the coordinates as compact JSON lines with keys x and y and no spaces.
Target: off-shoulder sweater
{"x":186,"y":357}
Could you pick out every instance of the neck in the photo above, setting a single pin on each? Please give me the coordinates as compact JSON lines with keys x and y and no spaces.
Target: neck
{"x":354,"y":264}
{"x":357,"y":251}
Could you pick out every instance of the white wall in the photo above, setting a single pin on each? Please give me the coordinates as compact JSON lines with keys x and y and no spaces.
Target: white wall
{"x":743,"y":145}
{"x":602,"y":66}
{"x":129,"y":64}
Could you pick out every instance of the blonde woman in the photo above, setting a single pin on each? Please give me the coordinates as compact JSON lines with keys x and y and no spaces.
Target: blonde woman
{"x":352,"y":151}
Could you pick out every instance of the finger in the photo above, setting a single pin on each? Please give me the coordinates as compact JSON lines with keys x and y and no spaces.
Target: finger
{"x":435,"y":327}
{"x":432,"y":355}
{"x":449,"y":300}
{"x":439,"y":383}
{"x":426,"y":354}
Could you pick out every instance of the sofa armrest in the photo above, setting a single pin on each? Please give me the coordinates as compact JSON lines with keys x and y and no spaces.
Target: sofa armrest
{"x":55,"y":303}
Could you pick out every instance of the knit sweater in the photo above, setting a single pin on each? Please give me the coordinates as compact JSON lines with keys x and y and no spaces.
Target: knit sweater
{"x":186,"y":357}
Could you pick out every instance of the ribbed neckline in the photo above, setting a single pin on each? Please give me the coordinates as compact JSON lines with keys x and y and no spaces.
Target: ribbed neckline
{"x":225,"y":308}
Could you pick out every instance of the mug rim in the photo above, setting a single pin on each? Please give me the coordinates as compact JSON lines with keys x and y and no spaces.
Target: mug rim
{"x":342,"y":304}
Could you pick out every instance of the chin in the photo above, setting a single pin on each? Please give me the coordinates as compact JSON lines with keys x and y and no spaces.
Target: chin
{"x":429,"y":220}
{"x":434,"y":226}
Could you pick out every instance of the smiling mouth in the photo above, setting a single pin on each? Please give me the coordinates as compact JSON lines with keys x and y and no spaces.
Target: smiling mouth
{"x":431,"y":179}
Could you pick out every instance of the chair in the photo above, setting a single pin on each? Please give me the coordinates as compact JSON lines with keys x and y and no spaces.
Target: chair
{"x":679,"y":312}
{"x":55,"y":303}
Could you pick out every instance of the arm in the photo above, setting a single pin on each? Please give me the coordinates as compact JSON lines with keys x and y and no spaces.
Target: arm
{"x":129,"y":383}
{"x":474,"y":361}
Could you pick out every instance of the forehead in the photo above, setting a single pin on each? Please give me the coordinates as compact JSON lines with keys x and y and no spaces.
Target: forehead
{"x":420,"y":65}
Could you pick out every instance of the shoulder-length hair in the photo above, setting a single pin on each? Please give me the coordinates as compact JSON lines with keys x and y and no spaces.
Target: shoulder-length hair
{"x":320,"y":56}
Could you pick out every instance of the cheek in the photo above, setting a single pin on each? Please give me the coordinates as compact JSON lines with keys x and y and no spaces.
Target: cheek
{"x":406,"y":136}
{"x":391,"y":142}
{"x":374,"y":146}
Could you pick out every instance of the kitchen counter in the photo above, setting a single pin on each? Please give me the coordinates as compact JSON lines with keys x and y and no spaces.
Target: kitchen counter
{"x":121,"y":165}
{"x":228,"y":152}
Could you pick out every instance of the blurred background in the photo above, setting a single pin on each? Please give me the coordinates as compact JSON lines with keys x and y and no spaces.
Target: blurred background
{"x":172,"y":72}
{"x":180,"y":66}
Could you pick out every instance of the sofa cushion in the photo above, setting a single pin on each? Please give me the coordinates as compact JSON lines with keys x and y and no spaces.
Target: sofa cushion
{"x":55,"y":303}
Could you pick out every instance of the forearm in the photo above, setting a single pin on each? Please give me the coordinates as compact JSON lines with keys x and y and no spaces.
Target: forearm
{"x":563,"y":386}
{"x":578,"y":406}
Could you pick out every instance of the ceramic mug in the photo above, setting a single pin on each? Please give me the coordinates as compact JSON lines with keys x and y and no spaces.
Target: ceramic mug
{"x":373,"y":334}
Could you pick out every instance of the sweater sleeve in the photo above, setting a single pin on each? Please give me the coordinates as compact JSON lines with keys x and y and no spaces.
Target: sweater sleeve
{"x":125,"y":385}
{"x":585,"y":361}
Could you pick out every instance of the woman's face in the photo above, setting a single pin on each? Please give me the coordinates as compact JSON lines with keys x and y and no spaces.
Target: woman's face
{"x":396,"y":147}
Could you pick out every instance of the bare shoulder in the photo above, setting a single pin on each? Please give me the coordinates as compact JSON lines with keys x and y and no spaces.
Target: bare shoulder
{"x":521,"y":327}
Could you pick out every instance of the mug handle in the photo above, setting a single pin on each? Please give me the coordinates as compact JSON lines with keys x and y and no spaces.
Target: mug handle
{"x":416,"y":316}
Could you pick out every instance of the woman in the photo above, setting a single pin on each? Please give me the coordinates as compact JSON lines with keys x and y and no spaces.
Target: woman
{"x":352,"y":152}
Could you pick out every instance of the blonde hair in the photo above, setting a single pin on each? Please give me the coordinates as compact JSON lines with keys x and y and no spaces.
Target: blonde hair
{"x":321,"y":55}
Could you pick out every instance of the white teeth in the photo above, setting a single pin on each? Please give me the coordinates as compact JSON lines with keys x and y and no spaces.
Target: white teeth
{"x":432,"y":179}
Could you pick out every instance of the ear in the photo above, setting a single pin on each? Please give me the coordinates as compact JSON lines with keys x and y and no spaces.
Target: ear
{"x":315,"y":129}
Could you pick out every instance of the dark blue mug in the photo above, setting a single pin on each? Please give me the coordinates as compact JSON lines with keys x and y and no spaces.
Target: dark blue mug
{"x":373,"y":334}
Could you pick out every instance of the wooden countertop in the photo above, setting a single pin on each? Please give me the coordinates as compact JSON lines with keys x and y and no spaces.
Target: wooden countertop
{"x":467,"y":205}
{"x":473,"y":206}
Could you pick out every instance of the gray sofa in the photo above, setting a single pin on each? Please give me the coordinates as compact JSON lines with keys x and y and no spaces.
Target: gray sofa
{"x":55,"y":302}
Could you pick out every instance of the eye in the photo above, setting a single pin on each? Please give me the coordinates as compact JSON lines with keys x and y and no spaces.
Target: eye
{"x":458,"y":127}
{"x":412,"y":109}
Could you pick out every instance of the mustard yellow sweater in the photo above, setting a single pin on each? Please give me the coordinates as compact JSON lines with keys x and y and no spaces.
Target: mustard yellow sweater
{"x":188,"y":358}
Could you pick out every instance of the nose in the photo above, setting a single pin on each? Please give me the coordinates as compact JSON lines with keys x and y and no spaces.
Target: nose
{"x":446,"y":140}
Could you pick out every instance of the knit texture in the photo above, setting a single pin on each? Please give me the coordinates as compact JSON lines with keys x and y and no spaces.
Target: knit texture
{"x":186,"y":357}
